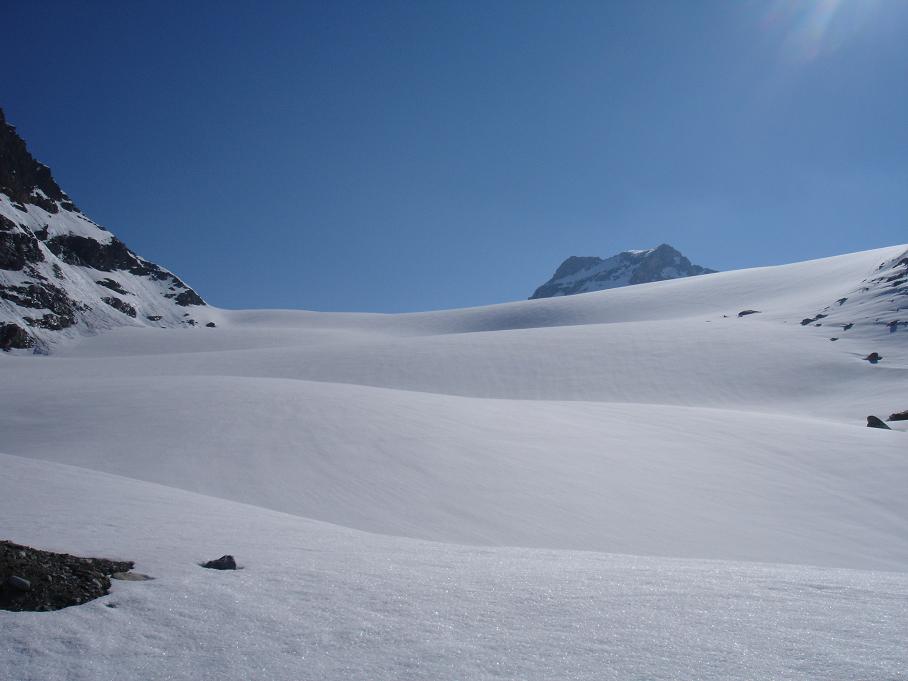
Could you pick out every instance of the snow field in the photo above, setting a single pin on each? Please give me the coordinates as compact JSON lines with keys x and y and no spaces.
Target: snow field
{"x":316,"y":601}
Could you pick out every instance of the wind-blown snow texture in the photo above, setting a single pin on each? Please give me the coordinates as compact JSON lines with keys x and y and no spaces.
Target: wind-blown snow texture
{"x":61,"y":274}
{"x":582,"y":275}
{"x":634,"y":483}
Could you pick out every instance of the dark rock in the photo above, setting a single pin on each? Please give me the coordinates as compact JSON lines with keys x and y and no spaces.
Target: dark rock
{"x":82,"y":250}
{"x":113,"y":286}
{"x":833,"y":339}
{"x":51,"y":321}
{"x":874,"y":422}
{"x":188,"y":297}
{"x":13,"y":336}
{"x":873,"y":357}
{"x":154,"y":317}
{"x":120,"y":305}
{"x":22,"y":177}
{"x":44,"y":296}
{"x":56,"y":580}
{"x":899,"y":416}
{"x":18,"y":248}
{"x":841,"y":301}
{"x":113,"y":256}
{"x":211,"y":325}
{"x":811,"y":320}
{"x":847,"y":326}
{"x":222,"y":563}
{"x":744,"y":313}
{"x":7,"y":225}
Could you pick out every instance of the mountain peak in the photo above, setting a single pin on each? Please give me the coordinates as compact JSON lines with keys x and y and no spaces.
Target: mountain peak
{"x":25,"y":180}
{"x":583,"y":274}
{"x":62,"y":274}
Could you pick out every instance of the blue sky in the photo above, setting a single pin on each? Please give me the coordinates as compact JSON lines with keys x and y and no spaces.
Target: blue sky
{"x":395,"y":156}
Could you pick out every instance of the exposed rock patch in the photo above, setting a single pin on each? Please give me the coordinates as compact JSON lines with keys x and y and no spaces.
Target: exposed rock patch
{"x":113,"y":286}
{"x":811,"y":320}
{"x":24,"y":179}
{"x":120,"y":305}
{"x":875,"y":422}
{"x":13,"y":336}
{"x":41,"y":580}
{"x":223,"y":563}
{"x":18,"y":247}
{"x":44,"y":296}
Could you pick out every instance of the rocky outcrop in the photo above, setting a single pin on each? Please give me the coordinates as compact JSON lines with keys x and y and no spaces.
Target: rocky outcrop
{"x":18,"y":246}
{"x":25,"y":180}
{"x":31,"y":579}
{"x":223,"y":563}
{"x":13,"y":337}
{"x":121,"y":305}
{"x":586,"y":274}
{"x":876,"y":422}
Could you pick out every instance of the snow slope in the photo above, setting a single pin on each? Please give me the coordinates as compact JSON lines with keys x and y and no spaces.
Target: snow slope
{"x":650,"y":420}
{"x":317,"y":602}
{"x":639,"y":420}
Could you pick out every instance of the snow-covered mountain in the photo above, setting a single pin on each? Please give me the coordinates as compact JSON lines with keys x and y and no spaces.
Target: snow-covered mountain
{"x":591,"y":273}
{"x":61,"y":274}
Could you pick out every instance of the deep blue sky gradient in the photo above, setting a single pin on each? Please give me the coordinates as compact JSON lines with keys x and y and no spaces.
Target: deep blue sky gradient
{"x":393,"y":156}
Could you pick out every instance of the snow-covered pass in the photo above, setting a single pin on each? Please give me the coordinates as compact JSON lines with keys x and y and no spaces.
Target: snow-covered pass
{"x":637,"y":483}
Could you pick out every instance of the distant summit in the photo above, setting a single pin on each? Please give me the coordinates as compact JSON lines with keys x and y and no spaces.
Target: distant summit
{"x":62,"y":274}
{"x":586,"y":274}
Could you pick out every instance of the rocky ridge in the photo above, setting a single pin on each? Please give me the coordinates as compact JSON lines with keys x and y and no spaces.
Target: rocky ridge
{"x":590,"y":273}
{"x":61,"y":274}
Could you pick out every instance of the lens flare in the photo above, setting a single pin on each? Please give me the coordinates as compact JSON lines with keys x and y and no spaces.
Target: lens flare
{"x":812,"y":28}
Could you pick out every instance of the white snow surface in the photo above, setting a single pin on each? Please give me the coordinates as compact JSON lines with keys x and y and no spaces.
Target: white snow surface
{"x":635,"y":483}
{"x":316,"y":601}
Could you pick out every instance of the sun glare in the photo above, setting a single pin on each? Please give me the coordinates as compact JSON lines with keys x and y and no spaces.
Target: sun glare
{"x":812,"y":28}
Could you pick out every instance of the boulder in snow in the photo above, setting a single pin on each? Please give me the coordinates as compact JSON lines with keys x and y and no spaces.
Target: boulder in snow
{"x":222,"y":563}
{"x":875,"y":422}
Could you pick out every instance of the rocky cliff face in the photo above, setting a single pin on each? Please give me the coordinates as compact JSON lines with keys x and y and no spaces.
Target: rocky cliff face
{"x":62,"y":274}
{"x":585,"y":274}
